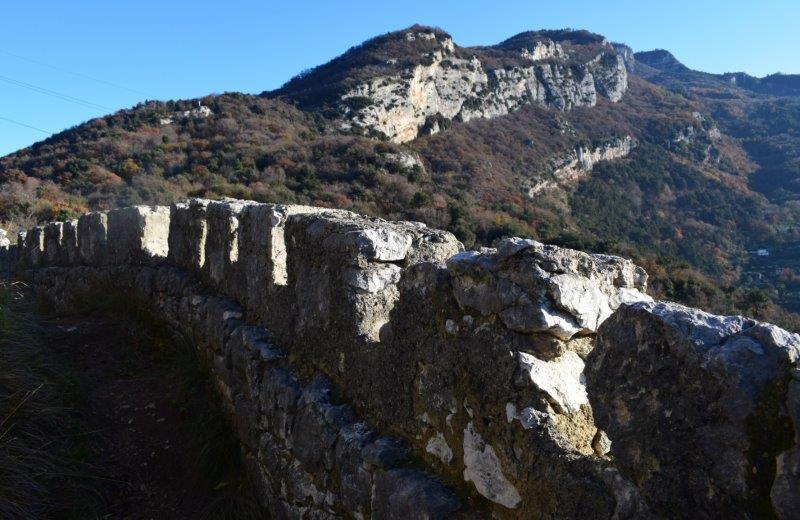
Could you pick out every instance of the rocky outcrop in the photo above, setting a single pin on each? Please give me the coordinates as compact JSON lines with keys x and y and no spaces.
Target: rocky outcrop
{"x":543,"y":50}
{"x":198,"y":112}
{"x":375,"y":369}
{"x":455,"y":88}
{"x":627,"y":55}
{"x":580,"y":162}
{"x":445,"y":82}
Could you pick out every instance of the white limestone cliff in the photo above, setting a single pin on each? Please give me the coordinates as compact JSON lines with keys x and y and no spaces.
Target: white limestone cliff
{"x":445,"y":86}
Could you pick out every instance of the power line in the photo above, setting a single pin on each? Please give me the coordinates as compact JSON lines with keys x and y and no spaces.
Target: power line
{"x":53,"y":93}
{"x":26,"y":125}
{"x":77,"y":74}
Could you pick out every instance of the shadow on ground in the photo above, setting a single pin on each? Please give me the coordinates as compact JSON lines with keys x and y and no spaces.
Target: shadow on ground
{"x":116,"y":416}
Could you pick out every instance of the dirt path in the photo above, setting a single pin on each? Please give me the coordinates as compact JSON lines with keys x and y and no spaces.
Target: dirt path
{"x":140,"y":425}
{"x":127,"y":412}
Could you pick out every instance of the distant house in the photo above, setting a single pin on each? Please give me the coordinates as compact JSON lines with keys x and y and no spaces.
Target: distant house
{"x":762,"y":252}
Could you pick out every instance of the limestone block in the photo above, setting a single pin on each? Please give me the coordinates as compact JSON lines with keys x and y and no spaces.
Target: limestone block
{"x":138,"y":234}
{"x":355,"y":478}
{"x":187,"y":234}
{"x":69,"y":245}
{"x":785,"y":492}
{"x":223,"y":266}
{"x":278,"y":398}
{"x":262,"y":253}
{"x":34,"y":248}
{"x":344,"y":269}
{"x":250,"y":343}
{"x":222,"y":317}
{"x":8,"y":258}
{"x":53,"y":243}
{"x":93,"y":238}
{"x":483,"y":469}
{"x":5,"y":264}
{"x":535,"y":288}
{"x":560,"y":379}
{"x":313,"y":437}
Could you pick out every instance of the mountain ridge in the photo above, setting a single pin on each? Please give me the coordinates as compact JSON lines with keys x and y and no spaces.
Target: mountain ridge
{"x":662,"y":61}
{"x":678,"y":156}
{"x":411,"y":82}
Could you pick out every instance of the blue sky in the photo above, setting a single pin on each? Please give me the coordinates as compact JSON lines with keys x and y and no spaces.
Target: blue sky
{"x":62,"y":63}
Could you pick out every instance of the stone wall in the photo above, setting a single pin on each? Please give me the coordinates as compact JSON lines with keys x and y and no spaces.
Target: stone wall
{"x":375,"y":369}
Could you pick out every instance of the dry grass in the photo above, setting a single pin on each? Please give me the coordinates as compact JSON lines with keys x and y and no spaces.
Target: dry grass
{"x":36,"y":456}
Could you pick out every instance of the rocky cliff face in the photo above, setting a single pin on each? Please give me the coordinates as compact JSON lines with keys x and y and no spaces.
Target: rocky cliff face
{"x":449,"y":83}
{"x":627,"y":55}
{"x":581,"y":161}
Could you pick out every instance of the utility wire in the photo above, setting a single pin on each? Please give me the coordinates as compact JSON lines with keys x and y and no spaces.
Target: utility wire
{"x":77,"y":74}
{"x":26,"y":125}
{"x":53,"y":93}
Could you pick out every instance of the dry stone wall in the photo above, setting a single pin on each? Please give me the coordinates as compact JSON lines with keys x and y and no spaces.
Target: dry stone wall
{"x":376,"y":369}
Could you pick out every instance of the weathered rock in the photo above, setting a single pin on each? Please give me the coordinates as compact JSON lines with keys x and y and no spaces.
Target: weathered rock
{"x":601,"y":444}
{"x":263,"y":253}
{"x":92,"y":238}
{"x":610,"y":75}
{"x":384,"y":453}
{"x":380,"y":244}
{"x":138,"y":234}
{"x":373,"y":279}
{"x":697,"y":409}
{"x":537,"y":288}
{"x":785,"y":492}
{"x":406,"y":160}
{"x":187,"y":234}
{"x":70,"y":255}
{"x":438,"y":447}
{"x":356,"y":262}
{"x":53,"y":236}
{"x":405,"y":494}
{"x":561,"y":379}
{"x":580,"y":162}
{"x":447,"y":85}
{"x":483,"y":469}
{"x":222,"y":267}
{"x":34,"y":248}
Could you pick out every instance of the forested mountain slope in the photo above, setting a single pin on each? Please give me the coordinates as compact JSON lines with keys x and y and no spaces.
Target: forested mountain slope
{"x":557,"y":135}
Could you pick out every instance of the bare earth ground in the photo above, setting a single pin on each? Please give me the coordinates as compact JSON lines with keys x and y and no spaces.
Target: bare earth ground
{"x":151,"y":445}
{"x":136,"y":451}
